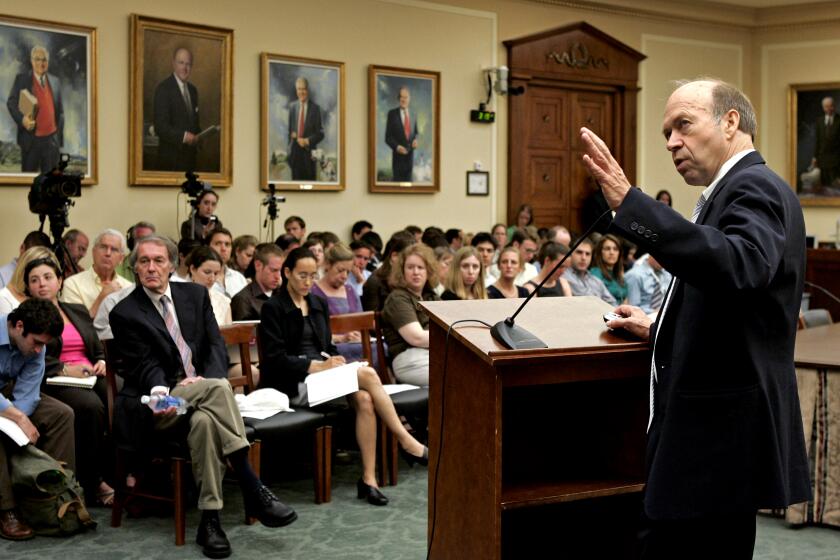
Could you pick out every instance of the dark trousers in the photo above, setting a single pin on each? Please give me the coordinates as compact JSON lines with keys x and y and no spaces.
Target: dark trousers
{"x":719,"y":537}
{"x":54,"y":421}
{"x":402,"y":165}
{"x":92,"y":454}
{"x":42,"y":154}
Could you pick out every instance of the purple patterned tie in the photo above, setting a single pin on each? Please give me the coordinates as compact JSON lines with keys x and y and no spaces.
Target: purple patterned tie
{"x":175,"y":333}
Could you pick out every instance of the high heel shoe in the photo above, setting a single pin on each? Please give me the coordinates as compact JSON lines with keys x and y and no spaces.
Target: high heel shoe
{"x":411,"y":459}
{"x":371,"y":493}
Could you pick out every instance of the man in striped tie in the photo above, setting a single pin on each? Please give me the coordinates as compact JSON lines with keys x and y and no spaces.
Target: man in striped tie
{"x":725,"y":431}
{"x":167,"y":341}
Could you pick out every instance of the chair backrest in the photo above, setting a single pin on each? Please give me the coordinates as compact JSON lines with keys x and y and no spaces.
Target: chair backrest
{"x":241,"y":336}
{"x":366,"y":324}
{"x":111,"y":378}
{"x":816,"y":318}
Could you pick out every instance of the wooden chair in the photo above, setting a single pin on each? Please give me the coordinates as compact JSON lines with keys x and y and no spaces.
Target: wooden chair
{"x":286,"y":425}
{"x":815,"y":318}
{"x":241,"y":335}
{"x":406,"y":403}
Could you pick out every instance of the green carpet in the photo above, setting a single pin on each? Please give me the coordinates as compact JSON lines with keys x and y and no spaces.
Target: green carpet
{"x":346,"y":528}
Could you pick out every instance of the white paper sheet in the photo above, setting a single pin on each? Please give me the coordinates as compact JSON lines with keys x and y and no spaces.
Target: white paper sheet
{"x":394,"y":388}
{"x":12,"y":430}
{"x":332,"y":383}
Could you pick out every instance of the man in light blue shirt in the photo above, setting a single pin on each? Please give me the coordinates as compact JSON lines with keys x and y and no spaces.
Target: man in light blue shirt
{"x":583,"y":282}
{"x":43,"y":420}
{"x":647,"y":283}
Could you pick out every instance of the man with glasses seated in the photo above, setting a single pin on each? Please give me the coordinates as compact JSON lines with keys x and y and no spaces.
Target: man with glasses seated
{"x":93,"y":285}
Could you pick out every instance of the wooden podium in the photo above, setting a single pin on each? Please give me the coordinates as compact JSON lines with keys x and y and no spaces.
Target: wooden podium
{"x":543,"y":450}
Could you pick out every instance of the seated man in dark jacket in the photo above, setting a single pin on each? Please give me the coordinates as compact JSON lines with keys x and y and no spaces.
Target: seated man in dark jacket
{"x":168,"y":342}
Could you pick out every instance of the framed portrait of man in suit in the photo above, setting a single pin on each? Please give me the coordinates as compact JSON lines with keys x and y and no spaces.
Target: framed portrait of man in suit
{"x":302,"y":123}
{"x":48,"y":84}
{"x":404,"y":125}
{"x":181,"y":102}
{"x":815,"y":143}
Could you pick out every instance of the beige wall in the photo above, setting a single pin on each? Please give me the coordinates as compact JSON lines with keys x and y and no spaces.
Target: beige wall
{"x":455,"y":37}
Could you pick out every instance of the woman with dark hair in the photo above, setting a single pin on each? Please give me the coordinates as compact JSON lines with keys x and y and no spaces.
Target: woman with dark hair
{"x":608,"y":265}
{"x":243,"y":253}
{"x":524,"y":218}
{"x":664,"y":197}
{"x":377,"y":288}
{"x":295,"y":334}
{"x":556,"y":285}
{"x":76,"y":353}
{"x":405,"y":324}
{"x":204,"y":220}
{"x":205,"y":267}
{"x":466,"y":276}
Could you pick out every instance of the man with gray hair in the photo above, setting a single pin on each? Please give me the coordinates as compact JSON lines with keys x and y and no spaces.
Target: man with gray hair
{"x":305,"y":133}
{"x":827,"y":145}
{"x":167,"y":342}
{"x":93,"y":285}
{"x":40,"y":132}
{"x":725,"y":434}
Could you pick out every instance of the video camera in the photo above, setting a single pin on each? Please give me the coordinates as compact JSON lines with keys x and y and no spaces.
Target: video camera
{"x":50,"y":192}
{"x":192,"y":187}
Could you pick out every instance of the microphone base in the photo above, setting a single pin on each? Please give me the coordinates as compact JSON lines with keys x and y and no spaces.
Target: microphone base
{"x":515,"y":337}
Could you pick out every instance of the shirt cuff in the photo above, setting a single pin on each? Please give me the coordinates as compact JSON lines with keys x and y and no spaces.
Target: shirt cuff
{"x":159,"y":389}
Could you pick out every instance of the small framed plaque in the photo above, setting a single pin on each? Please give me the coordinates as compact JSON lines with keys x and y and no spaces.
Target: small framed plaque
{"x":478,"y":183}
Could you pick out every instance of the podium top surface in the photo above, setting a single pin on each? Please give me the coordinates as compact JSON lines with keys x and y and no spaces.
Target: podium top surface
{"x":568,"y":325}
{"x":818,"y":347}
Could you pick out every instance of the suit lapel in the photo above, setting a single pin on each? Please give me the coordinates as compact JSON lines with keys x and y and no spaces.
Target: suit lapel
{"x":150,"y":312}
{"x":752,"y":158}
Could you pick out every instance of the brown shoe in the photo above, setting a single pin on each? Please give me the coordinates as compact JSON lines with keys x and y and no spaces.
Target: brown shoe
{"x":13,"y":528}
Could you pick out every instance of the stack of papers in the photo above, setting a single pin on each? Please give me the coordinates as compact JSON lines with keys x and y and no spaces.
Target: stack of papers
{"x":12,"y":430}
{"x":332,"y":383}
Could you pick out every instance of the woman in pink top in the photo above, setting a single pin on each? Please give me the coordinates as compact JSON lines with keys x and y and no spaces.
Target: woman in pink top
{"x":76,"y":353}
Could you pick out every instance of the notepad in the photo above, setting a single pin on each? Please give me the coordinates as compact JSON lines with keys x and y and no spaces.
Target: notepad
{"x":67,"y":381}
{"x":332,"y":383}
{"x":12,"y":430}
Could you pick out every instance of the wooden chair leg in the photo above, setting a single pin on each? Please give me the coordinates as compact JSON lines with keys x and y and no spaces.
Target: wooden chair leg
{"x":381,"y":451}
{"x":119,"y":490}
{"x":326,"y":483}
{"x":393,"y":458}
{"x":254,"y":458}
{"x":180,"y":510}
{"x":318,"y":463}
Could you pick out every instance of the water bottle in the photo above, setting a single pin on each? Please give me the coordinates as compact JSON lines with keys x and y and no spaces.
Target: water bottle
{"x":161,"y":402}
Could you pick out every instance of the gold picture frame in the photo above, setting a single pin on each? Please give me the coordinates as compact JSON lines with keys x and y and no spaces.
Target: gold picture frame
{"x":301,"y":151}
{"x":400,"y":162}
{"x":71,"y":70}
{"x":814,"y":162}
{"x":173,"y":132}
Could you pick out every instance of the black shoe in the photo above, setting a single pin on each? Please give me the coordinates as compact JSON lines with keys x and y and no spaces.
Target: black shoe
{"x":265,"y":506}
{"x":411,"y":459}
{"x":372,"y":493}
{"x":212,"y":539}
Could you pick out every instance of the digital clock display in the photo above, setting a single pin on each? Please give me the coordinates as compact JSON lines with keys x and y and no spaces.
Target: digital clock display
{"x":483,"y":116}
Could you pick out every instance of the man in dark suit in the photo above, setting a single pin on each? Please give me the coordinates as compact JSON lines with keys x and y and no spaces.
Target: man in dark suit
{"x":827,"y":149}
{"x":176,"y":116}
{"x":725,"y":434}
{"x":40,"y":135}
{"x":305,"y":133}
{"x":401,"y":137}
{"x":167,"y":341}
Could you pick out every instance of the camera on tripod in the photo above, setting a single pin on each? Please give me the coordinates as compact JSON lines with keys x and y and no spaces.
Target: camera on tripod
{"x":192,"y":187}
{"x":50,"y":192}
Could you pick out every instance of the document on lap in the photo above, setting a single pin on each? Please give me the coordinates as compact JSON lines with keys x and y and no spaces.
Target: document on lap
{"x":332,"y":383}
{"x":12,"y":430}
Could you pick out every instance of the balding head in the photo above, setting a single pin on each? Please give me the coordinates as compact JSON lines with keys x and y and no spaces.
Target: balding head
{"x":828,"y":105}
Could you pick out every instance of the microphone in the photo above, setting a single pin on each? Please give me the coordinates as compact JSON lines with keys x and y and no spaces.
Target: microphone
{"x":512,"y":336}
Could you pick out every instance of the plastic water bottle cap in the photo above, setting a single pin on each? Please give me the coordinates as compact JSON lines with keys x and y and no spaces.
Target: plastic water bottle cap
{"x":145,"y":399}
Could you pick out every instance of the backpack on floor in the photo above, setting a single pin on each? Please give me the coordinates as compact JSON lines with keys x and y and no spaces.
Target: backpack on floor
{"x":48,"y":496}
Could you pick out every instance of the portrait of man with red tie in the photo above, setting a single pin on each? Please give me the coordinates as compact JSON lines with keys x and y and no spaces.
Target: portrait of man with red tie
{"x":401,"y":137}
{"x":305,"y":132}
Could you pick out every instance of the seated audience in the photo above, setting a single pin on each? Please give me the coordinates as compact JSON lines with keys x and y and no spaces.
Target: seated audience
{"x":32,"y":239}
{"x":243,"y":253}
{"x":91,"y":286}
{"x":14,"y":293}
{"x":295,"y":226}
{"x":47,"y":422}
{"x":362,"y":252}
{"x":433,"y":237}
{"x":372,"y":239}
{"x":287,"y":243}
{"x":664,"y":197}
{"x":609,"y":266}
{"x":268,"y":276}
{"x":443,"y":258}
{"x":455,"y":238}
{"x":230,"y":281}
{"x":329,"y":240}
{"x":466,"y":275}
{"x":204,"y":220}
{"x":316,"y":247}
{"x":359,"y":229}
{"x":416,"y":232}
{"x":77,"y":352}
{"x":163,"y":348}
{"x":582,"y":281}
{"x":205,"y":267}
{"x":555,"y":286}
{"x":405,"y":324}
{"x":560,"y":235}
{"x":527,"y":247}
{"x":628,"y":251}
{"x":647,"y":283}
{"x":510,"y":267}
{"x":499,"y":233}
{"x":135,"y":232}
{"x":377,"y":287}
{"x":485,"y":244}
{"x":75,"y":244}
{"x":295,"y":333}
{"x":185,"y":247}
{"x":524,"y":218}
